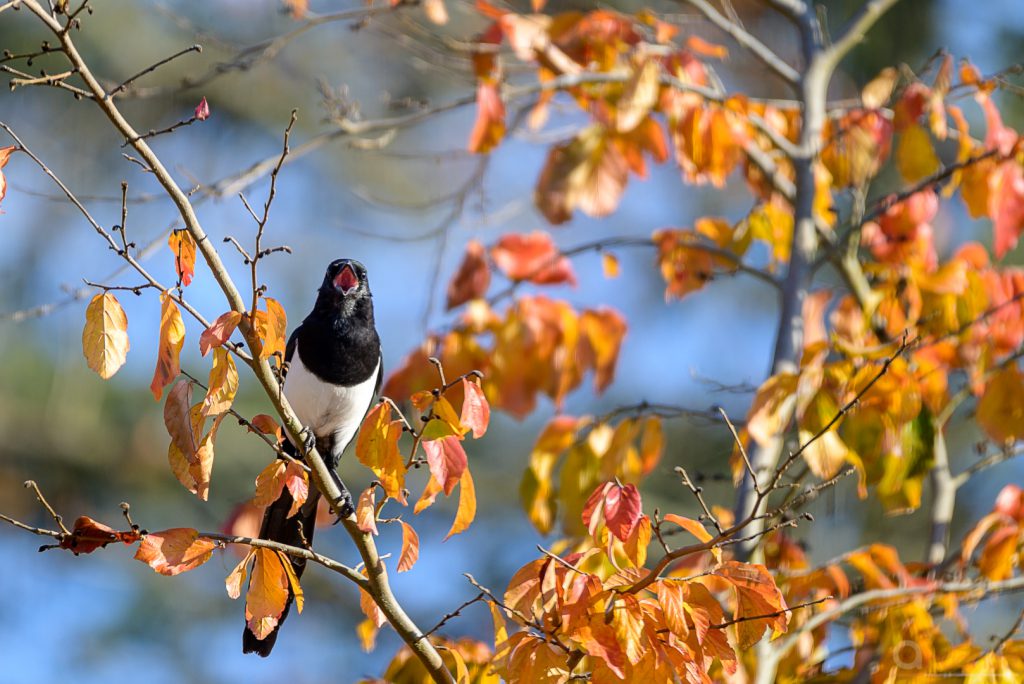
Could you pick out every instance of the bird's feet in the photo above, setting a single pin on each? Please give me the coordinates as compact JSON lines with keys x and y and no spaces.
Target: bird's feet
{"x":308,"y":440}
{"x":343,"y":505}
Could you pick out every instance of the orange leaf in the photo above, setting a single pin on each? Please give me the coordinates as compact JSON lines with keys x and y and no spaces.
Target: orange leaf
{"x":428,"y":497}
{"x":610,"y":265}
{"x":489,"y":128}
{"x":772,"y":408}
{"x":705,"y":49}
{"x":271,"y":327}
{"x":222,"y":385}
{"x":172,"y":336}
{"x":366,"y":511}
{"x":447,"y":460}
{"x":202,"y":469}
{"x":410,"y":547}
{"x":587,"y":173}
{"x":472,"y":279}
{"x":533,"y":257}
{"x":270,"y":483}
{"x":601,"y":334}
{"x":268,"y":593}
{"x":183,"y":247}
{"x":174,"y":551}
{"x":1006,"y":205}
{"x":377,"y":449}
{"x":182,"y":461}
{"x":219,"y":332}
{"x":639,"y":96}
{"x":1000,"y":554}
{"x":621,"y":507}
{"x":105,"y":336}
{"x":476,"y":412}
{"x":234,"y":581}
{"x":267,"y":425}
{"x":87,"y":535}
{"x":297,"y":481}
{"x":293,"y":581}
{"x":756,"y":594}
{"x":467,"y":505}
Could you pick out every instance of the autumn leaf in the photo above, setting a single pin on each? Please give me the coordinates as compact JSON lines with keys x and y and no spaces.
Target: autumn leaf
{"x":702,"y":47}
{"x":183,"y":247}
{"x":219,"y":332}
{"x":472,"y":278}
{"x":639,"y":96}
{"x":915,"y":155}
{"x":366,"y":510}
{"x":1006,"y":205}
{"x":174,"y":551}
{"x":105,"y":336}
{"x":271,"y":328}
{"x":476,"y":412}
{"x":270,"y":483}
{"x":587,"y":173}
{"x":489,"y":128}
{"x":532,"y":257}
{"x":202,"y":469}
{"x":467,"y":505}
{"x":756,"y":594}
{"x":879,"y":89}
{"x":410,"y":547}
{"x":87,"y":535}
{"x":202,"y":113}
{"x":619,"y":507}
{"x":377,"y":449}
{"x":5,"y":156}
{"x":610,"y":265}
{"x":772,"y":407}
{"x":172,"y":337}
{"x":268,"y":593}
{"x":296,"y":479}
{"x":179,"y":421}
{"x":446,"y":459}
{"x":222,"y":385}
{"x":267,"y":425}
{"x":1001,"y":407}
{"x":234,"y":581}
{"x":601,"y":334}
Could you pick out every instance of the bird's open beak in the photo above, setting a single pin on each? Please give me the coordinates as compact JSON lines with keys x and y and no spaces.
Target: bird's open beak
{"x":346,"y":280}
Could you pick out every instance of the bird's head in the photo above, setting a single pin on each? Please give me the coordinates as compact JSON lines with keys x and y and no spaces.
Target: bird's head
{"x":345,"y":285}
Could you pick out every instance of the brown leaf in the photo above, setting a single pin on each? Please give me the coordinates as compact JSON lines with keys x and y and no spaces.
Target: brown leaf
{"x":172,"y":337}
{"x":87,"y":535}
{"x":219,"y":332}
{"x":174,"y":551}
{"x":105,"y":336}
{"x":410,"y":547}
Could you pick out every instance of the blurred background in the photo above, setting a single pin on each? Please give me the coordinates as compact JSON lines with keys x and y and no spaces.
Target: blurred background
{"x":405,"y":207}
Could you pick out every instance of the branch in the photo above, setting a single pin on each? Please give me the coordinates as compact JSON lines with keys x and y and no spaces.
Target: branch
{"x":855,"y":31}
{"x":378,"y":585}
{"x":748,"y":41}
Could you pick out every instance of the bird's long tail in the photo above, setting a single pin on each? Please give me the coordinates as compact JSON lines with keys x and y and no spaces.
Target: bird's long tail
{"x":294,"y":531}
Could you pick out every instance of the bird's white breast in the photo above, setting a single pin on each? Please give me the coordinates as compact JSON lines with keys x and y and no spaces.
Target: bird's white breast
{"x":325,"y":408}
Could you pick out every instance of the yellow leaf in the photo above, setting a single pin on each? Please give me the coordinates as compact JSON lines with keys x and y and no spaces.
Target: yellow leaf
{"x":293,"y":580}
{"x":202,"y":469}
{"x":426,"y":499}
{"x":1001,"y":407}
{"x":172,"y":336}
{"x":772,"y":408}
{"x":183,"y":246}
{"x":377,"y":449}
{"x":446,"y":412}
{"x":467,"y":505}
{"x":269,"y":483}
{"x":105,"y":336}
{"x":410,"y":547}
{"x":877,"y":92}
{"x":223,"y":383}
{"x":915,"y":155}
{"x":271,"y":328}
{"x":610,"y":265}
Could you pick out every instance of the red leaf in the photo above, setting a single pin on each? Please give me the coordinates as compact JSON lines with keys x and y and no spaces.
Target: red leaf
{"x":5,"y":155}
{"x":1006,"y":205}
{"x":267,"y":425}
{"x":472,"y":279}
{"x":476,"y":412}
{"x":219,"y":332}
{"x":533,"y":257}
{"x":174,"y":551}
{"x":203,"y":110}
{"x":87,"y":535}
{"x":447,"y":461}
{"x":621,"y":508}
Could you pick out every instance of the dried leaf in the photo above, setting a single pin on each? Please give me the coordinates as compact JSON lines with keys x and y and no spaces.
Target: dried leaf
{"x":185,"y":432}
{"x":172,"y":337}
{"x":87,"y":535}
{"x":105,"y":336}
{"x":174,"y":551}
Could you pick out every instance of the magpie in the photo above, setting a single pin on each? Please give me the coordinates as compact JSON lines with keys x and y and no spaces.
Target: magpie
{"x":332,"y":372}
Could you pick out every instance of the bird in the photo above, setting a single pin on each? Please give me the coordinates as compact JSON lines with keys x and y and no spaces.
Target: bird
{"x":332,"y":373}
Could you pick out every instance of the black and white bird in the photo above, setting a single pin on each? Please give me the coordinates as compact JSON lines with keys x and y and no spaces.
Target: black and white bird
{"x":333,"y":370}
